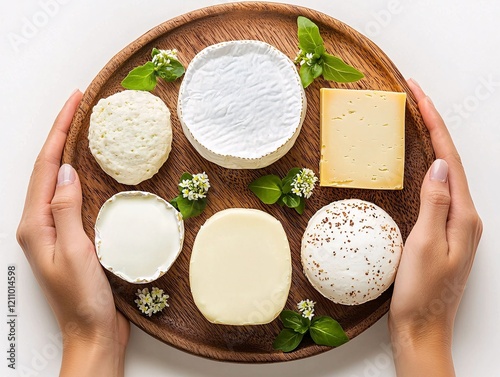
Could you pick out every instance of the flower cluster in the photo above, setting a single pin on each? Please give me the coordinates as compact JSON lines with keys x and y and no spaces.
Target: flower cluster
{"x":151,"y":303}
{"x":304,"y":58}
{"x":196,"y":187}
{"x":306,"y":308}
{"x":303,"y":183}
{"x":162,"y":57}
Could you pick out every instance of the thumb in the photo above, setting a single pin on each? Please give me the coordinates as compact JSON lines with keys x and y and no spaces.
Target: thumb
{"x":435,"y":199}
{"x":66,"y":206}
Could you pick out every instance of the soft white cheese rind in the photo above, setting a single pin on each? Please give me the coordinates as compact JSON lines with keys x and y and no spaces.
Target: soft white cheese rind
{"x":350,"y":251}
{"x":138,"y":236}
{"x":240,"y":269}
{"x":130,"y":135}
{"x":241,"y":104}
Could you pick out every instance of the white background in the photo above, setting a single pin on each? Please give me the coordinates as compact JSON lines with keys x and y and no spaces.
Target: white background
{"x":450,"y":46}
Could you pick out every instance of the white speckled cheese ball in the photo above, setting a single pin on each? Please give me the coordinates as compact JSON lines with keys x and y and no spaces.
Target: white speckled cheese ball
{"x":351,"y":251}
{"x":130,"y":135}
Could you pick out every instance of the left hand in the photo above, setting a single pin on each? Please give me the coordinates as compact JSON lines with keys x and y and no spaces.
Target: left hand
{"x":64,"y":261}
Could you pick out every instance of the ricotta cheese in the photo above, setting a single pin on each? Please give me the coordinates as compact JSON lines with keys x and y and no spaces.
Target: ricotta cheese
{"x":241,"y":104}
{"x":138,"y":236}
{"x":350,"y":251}
{"x":240,"y":270}
{"x":130,"y":135}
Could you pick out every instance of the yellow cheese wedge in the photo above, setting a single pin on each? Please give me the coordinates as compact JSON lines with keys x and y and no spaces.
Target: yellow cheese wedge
{"x":240,"y":270}
{"x":362,"y":139}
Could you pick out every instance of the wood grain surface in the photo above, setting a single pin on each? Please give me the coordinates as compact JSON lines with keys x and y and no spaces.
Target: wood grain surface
{"x":182,"y":325}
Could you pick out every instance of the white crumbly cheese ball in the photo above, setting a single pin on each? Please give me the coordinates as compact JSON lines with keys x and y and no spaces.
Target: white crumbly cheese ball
{"x":130,"y":135}
{"x":241,"y":104}
{"x":351,"y":251}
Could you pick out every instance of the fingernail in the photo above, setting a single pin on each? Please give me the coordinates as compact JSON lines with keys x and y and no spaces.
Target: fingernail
{"x":429,"y":99}
{"x":66,"y":175}
{"x":415,"y":82}
{"x":439,"y":171}
{"x":74,"y":91}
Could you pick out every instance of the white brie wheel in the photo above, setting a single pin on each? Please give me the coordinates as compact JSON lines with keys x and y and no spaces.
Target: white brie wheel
{"x":241,"y":104}
{"x":138,"y":236}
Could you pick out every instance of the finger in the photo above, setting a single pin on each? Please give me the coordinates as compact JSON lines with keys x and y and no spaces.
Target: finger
{"x":435,"y":200}
{"x":443,"y":145}
{"x":66,"y":207}
{"x":416,"y":89}
{"x":43,"y":179}
{"x":441,"y":138}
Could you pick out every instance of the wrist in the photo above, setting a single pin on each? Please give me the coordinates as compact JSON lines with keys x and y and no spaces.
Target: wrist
{"x":417,"y":333}
{"x":422,"y":350}
{"x":92,"y":356}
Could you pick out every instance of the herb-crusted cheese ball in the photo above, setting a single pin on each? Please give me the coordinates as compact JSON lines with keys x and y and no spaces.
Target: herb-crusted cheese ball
{"x":130,"y":135}
{"x":351,"y":251}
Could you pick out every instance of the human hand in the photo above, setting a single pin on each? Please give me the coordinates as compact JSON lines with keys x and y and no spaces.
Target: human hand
{"x":64,"y":262}
{"x":436,"y":260}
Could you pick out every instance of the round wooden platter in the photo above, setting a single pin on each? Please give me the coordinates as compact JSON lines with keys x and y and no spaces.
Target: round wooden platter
{"x":182,"y":325}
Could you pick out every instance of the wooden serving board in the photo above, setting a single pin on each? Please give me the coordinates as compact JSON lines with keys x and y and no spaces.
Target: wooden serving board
{"x":182,"y":325}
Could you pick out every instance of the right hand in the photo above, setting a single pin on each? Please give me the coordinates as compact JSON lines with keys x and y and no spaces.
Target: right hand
{"x":437,"y":256}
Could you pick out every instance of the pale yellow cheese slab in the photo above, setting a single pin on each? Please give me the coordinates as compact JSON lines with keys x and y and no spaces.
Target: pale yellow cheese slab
{"x":362,"y":139}
{"x":240,"y":270}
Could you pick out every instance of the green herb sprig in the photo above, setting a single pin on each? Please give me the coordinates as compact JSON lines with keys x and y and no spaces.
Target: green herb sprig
{"x":291,"y":191}
{"x":324,"y":330}
{"x":314,"y":61}
{"x":164,"y":64}
{"x":192,"y":198}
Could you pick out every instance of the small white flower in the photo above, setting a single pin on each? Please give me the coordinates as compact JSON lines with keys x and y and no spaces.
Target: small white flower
{"x":298,"y":57}
{"x":185,"y":183}
{"x":306,"y":305}
{"x":164,"y":57}
{"x":196,"y":187}
{"x":308,"y":313}
{"x":303,"y":183}
{"x":304,"y":58}
{"x":302,"y":305}
{"x":151,"y":303}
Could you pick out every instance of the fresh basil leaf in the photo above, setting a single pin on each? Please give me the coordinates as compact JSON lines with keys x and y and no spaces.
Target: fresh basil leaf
{"x":335,"y":69}
{"x":280,"y":201}
{"x":326,"y":331}
{"x":141,"y":78}
{"x":306,"y":75}
{"x":291,"y":200}
{"x":295,"y":321}
{"x":172,"y":71}
{"x":287,"y":340}
{"x":267,"y":188}
{"x":191,"y":208}
{"x":319,"y":51}
{"x":287,"y":186}
{"x":287,"y":181}
{"x":185,"y":176}
{"x":174,"y":202}
{"x":308,"y":33}
{"x":316,"y":70}
{"x":302,"y":205}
